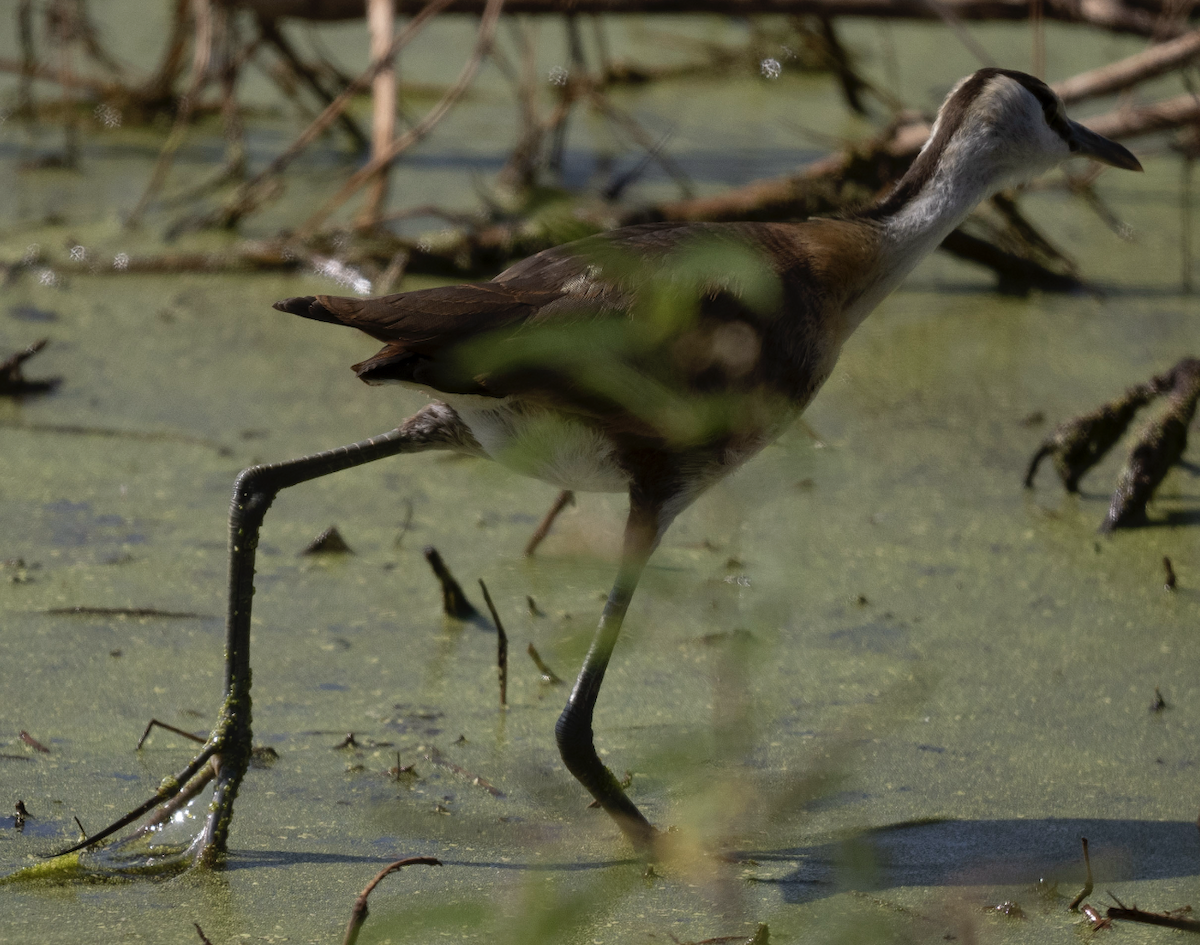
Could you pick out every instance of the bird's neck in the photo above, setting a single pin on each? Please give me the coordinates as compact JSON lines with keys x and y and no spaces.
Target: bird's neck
{"x":914,"y":228}
{"x":914,"y":220}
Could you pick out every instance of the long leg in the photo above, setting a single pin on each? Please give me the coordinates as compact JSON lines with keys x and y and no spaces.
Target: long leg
{"x":643,"y":529}
{"x":229,"y":745}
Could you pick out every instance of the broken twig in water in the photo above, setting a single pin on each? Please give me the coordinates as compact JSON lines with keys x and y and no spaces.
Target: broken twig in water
{"x":454,"y":601}
{"x":1167,"y":920}
{"x":501,"y":644}
{"x":565,"y":498}
{"x":358,"y":915}
{"x":437,"y":758}
{"x":548,"y":675}
{"x":155,"y":723}
{"x":1087,"y":883}
{"x":329,"y":542}
{"x":33,"y":742}
{"x":83,"y":610}
{"x":13,"y":382}
{"x":487,"y":29}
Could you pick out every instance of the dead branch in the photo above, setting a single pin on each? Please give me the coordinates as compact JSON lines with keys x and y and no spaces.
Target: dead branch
{"x":1117,"y":76}
{"x":1162,"y":919}
{"x":270,"y":32}
{"x":483,"y":41}
{"x":381,"y":25}
{"x":252,"y":193}
{"x":1166,"y":115}
{"x":1144,"y":20}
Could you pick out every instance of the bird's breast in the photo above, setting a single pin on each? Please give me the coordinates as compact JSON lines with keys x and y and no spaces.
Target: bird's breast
{"x":543,"y":444}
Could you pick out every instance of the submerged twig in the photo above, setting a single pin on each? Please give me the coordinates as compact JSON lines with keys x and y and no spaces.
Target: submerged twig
{"x":328,"y":542}
{"x":83,"y":610}
{"x":548,"y":675}
{"x":437,"y":758}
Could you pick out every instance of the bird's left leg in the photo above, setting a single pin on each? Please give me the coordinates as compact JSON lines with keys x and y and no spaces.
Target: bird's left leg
{"x":643,"y":530}
{"x":228,"y":748}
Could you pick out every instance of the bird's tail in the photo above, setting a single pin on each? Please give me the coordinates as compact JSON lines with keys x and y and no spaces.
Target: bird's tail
{"x":308,"y":306}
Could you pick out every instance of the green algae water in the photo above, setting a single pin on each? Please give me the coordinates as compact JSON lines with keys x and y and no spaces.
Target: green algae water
{"x":892,"y":686}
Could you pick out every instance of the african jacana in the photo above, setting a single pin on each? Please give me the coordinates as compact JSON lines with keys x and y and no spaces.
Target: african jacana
{"x":654,"y":359}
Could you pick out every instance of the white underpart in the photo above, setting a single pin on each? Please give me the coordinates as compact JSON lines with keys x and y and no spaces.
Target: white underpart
{"x":543,"y":444}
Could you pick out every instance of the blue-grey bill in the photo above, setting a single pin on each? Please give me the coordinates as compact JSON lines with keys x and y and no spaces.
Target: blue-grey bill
{"x":1099,"y":148}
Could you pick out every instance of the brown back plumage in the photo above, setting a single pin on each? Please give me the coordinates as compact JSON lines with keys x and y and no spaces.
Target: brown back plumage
{"x":692,"y":307}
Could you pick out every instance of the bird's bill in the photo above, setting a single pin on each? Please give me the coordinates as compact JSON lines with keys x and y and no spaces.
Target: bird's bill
{"x":1099,"y":148}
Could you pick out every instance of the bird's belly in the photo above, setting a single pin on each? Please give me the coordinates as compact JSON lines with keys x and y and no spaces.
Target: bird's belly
{"x":543,"y":444}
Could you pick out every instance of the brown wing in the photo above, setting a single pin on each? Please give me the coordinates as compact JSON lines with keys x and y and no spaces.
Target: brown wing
{"x":428,"y":319}
{"x":584,"y":324}
{"x":423,"y":327}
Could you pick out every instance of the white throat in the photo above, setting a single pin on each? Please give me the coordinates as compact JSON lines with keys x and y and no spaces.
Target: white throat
{"x":960,"y":184}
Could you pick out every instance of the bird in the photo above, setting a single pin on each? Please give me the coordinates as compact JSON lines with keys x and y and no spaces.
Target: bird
{"x":658,"y":358}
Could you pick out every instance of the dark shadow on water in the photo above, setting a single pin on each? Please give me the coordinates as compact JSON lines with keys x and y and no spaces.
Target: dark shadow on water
{"x":989,"y":853}
{"x":274,"y":859}
{"x":926,"y":853}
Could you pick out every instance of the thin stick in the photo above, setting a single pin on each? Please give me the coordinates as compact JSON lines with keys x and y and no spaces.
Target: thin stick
{"x":454,"y":601}
{"x":1120,"y":75}
{"x":548,"y":675}
{"x":201,"y":61}
{"x":170,"y":728}
{"x":1087,"y":884}
{"x":251,"y":194}
{"x":565,"y":498}
{"x":381,"y":22}
{"x":1037,"y":26}
{"x":483,"y":40}
{"x":1185,"y":224}
{"x":28,"y":67}
{"x":953,"y":20}
{"x":437,"y":758}
{"x":358,"y":915}
{"x":501,"y":644}
{"x":270,"y":32}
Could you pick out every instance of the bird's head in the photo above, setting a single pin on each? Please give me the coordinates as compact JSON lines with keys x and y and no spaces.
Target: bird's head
{"x":997,"y":128}
{"x":1021,"y":125}
{"x":1012,"y":127}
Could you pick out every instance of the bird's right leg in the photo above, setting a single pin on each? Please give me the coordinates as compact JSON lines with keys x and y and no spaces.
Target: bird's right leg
{"x":227,"y":751}
{"x":643,"y":529}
